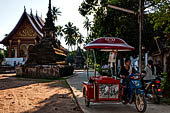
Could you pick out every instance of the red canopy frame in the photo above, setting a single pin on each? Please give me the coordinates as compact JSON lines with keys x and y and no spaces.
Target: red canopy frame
{"x":106,"y":44}
{"x":109,"y":44}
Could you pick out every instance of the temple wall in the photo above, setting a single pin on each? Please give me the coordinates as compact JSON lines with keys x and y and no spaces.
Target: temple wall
{"x":44,"y":71}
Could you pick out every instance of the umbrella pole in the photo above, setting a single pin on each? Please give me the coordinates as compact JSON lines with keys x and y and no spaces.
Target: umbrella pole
{"x":94,"y":63}
{"x":88,"y":64}
{"x":112,"y":70}
{"x":116,"y":65}
{"x":111,"y":65}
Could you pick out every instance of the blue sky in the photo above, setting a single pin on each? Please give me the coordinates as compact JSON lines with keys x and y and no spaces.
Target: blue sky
{"x":11,"y":11}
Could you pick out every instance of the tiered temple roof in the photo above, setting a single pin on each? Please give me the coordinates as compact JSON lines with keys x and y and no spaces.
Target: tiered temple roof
{"x":36,"y":22}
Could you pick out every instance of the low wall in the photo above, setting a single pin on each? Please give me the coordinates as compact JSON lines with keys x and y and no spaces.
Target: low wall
{"x":44,"y":71}
{"x":7,"y":69}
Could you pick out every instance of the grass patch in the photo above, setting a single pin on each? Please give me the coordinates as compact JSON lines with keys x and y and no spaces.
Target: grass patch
{"x":166,"y":101}
{"x":65,"y":84}
{"x":47,"y":80}
{"x":42,"y":80}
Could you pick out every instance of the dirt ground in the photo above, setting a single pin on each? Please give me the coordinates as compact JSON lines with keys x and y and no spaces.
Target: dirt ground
{"x":22,"y":95}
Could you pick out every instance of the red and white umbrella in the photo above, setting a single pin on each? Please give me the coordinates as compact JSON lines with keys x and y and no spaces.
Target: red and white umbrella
{"x":109,"y":44}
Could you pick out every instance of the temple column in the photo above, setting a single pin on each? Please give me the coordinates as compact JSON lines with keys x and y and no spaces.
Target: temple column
{"x":15,"y":49}
{"x":18,"y":48}
{"x":10,"y":47}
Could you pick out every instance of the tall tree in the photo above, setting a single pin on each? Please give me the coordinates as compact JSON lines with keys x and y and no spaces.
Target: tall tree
{"x":80,"y":40}
{"x":56,"y":12}
{"x":87,"y":25}
{"x":111,"y":22}
{"x":161,"y":18}
{"x":161,"y":22}
{"x":1,"y":56}
{"x":70,"y":35}
{"x":115,"y":23}
{"x":59,"y":31}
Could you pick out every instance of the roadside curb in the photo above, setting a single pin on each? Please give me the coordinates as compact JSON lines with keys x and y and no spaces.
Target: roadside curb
{"x":67,"y":77}
{"x":74,"y":96}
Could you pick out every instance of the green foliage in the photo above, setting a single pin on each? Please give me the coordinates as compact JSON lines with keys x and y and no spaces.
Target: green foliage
{"x":87,"y":7}
{"x":161,"y":18}
{"x":71,"y":57}
{"x":1,"y":57}
{"x":161,"y":22}
{"x":72,"y":35}
{"x":80,"y":39}
{"x":87,"y":25}
{"x":165,"y":85}
{"x":113,"y":1}
{"x":166,"y":101}
{"x":55,"y":13}
{"x":6,"y":52}
{"x":70,"y":32}
{"x":104,"y":72}
{"x":108,"y":22}
{"x":59,"y":31}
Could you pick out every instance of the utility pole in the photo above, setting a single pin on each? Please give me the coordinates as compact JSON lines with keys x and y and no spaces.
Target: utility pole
{"x":141,"y":14}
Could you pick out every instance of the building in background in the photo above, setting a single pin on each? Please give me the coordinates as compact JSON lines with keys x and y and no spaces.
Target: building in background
{"x":23,"y":37}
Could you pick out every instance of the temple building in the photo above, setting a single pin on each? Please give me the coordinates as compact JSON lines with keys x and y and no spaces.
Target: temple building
{"x":47,"y":58}
{"x":22,"y":37}
{"x":27,"y":32}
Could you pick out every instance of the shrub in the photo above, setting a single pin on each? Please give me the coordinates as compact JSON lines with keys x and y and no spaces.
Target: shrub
{"x":165,"y":85}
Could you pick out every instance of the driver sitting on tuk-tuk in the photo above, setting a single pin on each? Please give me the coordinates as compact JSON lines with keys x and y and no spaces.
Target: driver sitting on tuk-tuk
{"x":124,"y":72}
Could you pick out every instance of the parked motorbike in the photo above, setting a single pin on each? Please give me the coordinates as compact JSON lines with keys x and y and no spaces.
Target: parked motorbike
{"x":135,"y":93}
{"x":153,"y":91}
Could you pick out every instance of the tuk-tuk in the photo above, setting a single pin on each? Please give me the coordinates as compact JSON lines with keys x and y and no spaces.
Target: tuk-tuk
{"x":104,"y":88}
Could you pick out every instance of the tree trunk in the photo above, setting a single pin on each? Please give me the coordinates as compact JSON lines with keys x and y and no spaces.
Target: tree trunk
{"x":68,"y":48}
{"x":71,"y":48}
{"x":167,"y":91}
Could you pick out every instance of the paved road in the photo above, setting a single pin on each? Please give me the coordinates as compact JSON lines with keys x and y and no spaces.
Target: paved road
{"x":76,"y":85}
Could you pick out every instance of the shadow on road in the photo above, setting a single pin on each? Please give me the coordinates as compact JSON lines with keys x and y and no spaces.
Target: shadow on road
{"x":15,"y":82}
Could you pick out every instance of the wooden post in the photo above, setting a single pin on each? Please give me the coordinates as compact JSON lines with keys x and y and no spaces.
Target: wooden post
{"x":94,"y":63}
{"x":116,"y":71}
{"x":10,"y":47}
{"x":18,"y":48}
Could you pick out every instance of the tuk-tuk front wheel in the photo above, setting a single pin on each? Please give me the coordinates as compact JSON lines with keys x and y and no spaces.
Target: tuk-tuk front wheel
{"x":87,"y":102}
{"x":140,"y":103}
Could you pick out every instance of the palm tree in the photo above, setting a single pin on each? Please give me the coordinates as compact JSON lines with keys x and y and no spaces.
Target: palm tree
{"x":80,"y":39}
{"x":59,"y":31}
{"x":70,"y":34}
{"x":76,"y":36}
{"x":56,"y":13}
{"x":87,"y":25}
